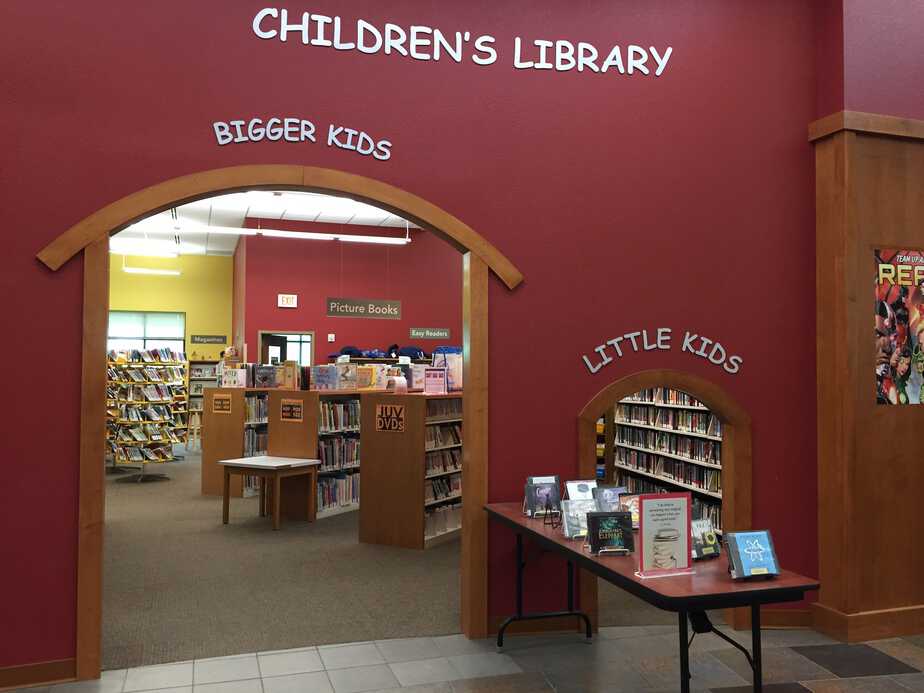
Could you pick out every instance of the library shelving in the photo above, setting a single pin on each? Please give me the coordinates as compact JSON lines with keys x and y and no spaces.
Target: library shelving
{"x":339,"y":444}
{"x":412,"y":469}
{"x":146,"y":408}
{"x":667,"y":440}
{"x":202,"y":375}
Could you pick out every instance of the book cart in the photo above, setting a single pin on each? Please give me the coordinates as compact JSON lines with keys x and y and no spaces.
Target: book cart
{"x":412,"y":469}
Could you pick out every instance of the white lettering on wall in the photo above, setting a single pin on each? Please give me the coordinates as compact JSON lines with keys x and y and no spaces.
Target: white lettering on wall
{"x":641,"y":340}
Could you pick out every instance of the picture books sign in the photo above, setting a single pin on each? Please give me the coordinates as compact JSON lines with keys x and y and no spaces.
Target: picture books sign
{"x":899,"y":322}
{"x":363,"y":308}
{"x":221,"y":404}
{"x":389,"y":417}
{"x":291,"y":410}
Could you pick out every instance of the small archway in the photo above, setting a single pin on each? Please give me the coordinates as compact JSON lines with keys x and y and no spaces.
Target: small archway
{"x":736,"y":451}
{"x":90,"y":237}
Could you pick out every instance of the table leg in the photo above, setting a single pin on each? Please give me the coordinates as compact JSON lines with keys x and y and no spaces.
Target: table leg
{"x":277,"y":499}
{"x":684,"y":653}
{"x":755,"y":648}
{"x":262,"y":496}
{"x":226,"y":496}
{"x":519,"y":585}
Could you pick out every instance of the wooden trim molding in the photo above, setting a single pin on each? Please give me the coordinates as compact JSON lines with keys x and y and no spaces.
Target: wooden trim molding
{"x":871,"y":123}
{"x":868,"y":625}
{"x":736,"y":451}
{"x":54,"y":671}
{"x":177,"y":191}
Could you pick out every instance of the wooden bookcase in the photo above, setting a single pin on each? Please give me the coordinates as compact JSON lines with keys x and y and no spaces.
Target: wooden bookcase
{"x":224,"y":424}
{"x":394,"y":461}
{"x":346,"y":434}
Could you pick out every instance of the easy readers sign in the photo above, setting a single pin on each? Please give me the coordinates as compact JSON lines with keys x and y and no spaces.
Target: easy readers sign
{"x":363,"y":308}
{"x":429,"y":333}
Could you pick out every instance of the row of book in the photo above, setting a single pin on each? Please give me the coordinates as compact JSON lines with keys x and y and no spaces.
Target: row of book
{"x":146,"y":356}
{"x":671,"y":443}
{"x":665,"y":395}
{"x":146,"y":433}
{"x":700,"y":510}
{"x":255,"y":441}
{"x":442,"y":487}
{"x":338,"y":453}
{"x":151,"y":392}
{"x":140,"y":454}
{"x":172,"y":375}
{"x":338,"y":491}
{"x":442,"y":461}
{"x":443,"y":435}
{"x":677,"y":419}
{"x":130,"y":413}
{"x":694,"y":475}
{"x":255,"y":409}
{"x":449,"y":408}
{"x":442,"y":519}
{"x":339,"y":416}
{"x":202,"y":371}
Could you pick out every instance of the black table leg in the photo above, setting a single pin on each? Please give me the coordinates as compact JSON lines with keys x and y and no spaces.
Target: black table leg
{"x":755,"y":648}
{"x":684,"y":653}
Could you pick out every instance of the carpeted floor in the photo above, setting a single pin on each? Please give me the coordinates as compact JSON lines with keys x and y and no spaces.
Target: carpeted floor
{"x":179,"y":585}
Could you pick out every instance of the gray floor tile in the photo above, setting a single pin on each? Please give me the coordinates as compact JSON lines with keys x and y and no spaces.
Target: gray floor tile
{"x":159,"y":676}
{"x":407,"y":649}
{"x":855,"y":660}
{"x":484,"y":664}
{"x":108,"y":682}
{"x":902,"y":650}
{"x":426,"y":688}
{"x":550,"y":657}
{"x":618,"y":632}
{"x":451,"y":645}
{"x":359,"y":679}
{"x":790,"y":687}
{"x":612,"y":678}
{"x":315,"y":682}
{"x":866,"y":684}
{"x":707,"y":671}
{"x":780,"y":665}
{"x":350,"y":656}
{"x":295,"y":662}
{"x":225,"y":669}
{"x":913,"y":682}
{"x":249,"y":686}
{"x":435,"y":670}
{"x":786,"y":637}
{"x":33,"y":689}
{"x":508,"y":683}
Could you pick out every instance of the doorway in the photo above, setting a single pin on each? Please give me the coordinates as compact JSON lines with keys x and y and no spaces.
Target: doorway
{"x":278,"y":346}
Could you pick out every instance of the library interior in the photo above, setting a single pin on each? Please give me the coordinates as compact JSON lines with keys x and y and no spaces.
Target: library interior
{"x":487,"y":361}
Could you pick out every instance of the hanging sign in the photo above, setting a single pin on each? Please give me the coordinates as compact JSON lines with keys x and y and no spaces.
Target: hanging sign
{"x":291,"y":410}
{"x":287,"y":300}
{"x":389,"y":417}
{"x":221,"y":404}
{"x":429,"y":333}
{"x":363,"y":308}
{"x":208,"y":339}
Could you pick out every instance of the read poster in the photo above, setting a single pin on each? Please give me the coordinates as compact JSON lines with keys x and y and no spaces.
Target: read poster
{"x":664,"y":533}
{"x":899,"y":321}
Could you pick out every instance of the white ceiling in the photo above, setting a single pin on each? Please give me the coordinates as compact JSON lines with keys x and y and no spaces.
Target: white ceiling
{"x":194,"y":219}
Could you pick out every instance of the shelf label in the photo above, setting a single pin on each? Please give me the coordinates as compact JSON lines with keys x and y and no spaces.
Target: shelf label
{"x":363,"y":308}
{"x":429,"y":333}
{"x":221,"y":404}
{"x":291,"y":410}
{"x":389,"y":417}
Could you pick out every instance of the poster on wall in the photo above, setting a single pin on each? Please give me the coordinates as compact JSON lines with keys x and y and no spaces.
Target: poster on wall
{"x":899,"y":321}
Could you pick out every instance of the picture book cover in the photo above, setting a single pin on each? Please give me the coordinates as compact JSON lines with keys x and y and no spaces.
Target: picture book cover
{"x":751,"y":554}
{"x":435,"y":381}
{"x":581,"y":490}
{"x":705,"y":541}
{"x":264,"y":376}
{"x":899,"y":323}
{"x":574,"y":517}
{"x":607,"y":497}
{"x":610,"y":532}
{"x":664,"y":533}
{"x":542,"y":497}
{"x":629,"y":503}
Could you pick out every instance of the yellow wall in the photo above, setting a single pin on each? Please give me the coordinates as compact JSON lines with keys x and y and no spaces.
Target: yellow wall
{"x":202,"y":291}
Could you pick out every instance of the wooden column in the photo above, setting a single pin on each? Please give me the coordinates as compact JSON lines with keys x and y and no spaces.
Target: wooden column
{"x":869,"y":195}
{"x":474,"y":564}
{"x":92,"y":454}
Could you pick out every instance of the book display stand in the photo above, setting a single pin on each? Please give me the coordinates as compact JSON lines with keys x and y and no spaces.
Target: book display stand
{"x":146,"y":410}
{"x":666,"y":441}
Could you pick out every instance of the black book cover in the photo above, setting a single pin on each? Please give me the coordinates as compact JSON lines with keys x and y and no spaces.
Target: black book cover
{"x":542,"y":496}
{"x":610,"y":532}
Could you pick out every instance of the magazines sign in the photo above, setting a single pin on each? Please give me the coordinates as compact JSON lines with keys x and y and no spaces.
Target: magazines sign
{"x":899,"y":322}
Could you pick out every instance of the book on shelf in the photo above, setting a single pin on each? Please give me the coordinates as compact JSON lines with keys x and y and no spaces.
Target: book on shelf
{"x":255,"y":440}
{"x":264,"y":376}
{"x":442,"y":487}
{"x":670,"y":469}
{"x":680,"y":420}
{"x":339,"y":415}
{"x":751,"y":554}
{"x":442,"y":461}
{"x":338,"y":491}
{"x":442,"y":435}
{"x":338,"y":453}
{"x":707,"y":451}
{"x":255,"y":408}
{"x":449,"y":408}
{"x":665,"y":395}
{"x":442,"y":519}
{"x":610,"y":532}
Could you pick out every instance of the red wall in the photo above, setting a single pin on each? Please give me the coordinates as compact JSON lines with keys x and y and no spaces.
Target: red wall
{"x":628,"y":202}
{"x":426,"y":276}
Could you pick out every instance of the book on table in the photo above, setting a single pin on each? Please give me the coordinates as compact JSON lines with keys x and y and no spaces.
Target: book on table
{"x":581,"y":489}
{"x":705,"y":541}
{"x":751,"y":554}
{"x":610,"y":532}
{"x":574,"y":517}
{"x":542,"y":495}
{"x":607,"y":497}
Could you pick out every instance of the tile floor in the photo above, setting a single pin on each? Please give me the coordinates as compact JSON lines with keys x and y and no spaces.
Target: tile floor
{"x":620,"y":659}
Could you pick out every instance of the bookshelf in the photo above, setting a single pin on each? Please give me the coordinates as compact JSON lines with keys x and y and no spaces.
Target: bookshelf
{"x":202,"y":375}
{"x":339,"y":444}
{"x":667,"y":440}
{"x":146,"y":409}
{"x":412,"y":469}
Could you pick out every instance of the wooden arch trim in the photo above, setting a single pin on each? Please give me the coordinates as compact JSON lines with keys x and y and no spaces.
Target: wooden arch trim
{"x":736,"y":450}
{"x":195,"y":186}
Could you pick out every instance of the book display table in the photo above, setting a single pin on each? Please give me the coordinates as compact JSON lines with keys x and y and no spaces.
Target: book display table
{"x":690,"y":595}
{"x":293,"y":485}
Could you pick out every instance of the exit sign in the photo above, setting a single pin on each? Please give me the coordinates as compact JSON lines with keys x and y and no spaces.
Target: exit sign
{"x":287,"y":300}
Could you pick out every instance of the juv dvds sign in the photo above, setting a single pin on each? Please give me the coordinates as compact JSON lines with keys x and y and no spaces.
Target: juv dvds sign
{"x":661,"y":339}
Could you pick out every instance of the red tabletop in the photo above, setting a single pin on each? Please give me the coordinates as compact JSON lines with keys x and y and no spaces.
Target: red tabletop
{"x":710,"y":586}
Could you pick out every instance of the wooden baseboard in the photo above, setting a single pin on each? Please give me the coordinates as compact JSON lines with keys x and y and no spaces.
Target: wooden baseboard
{"x":546,"y":625}
{"x":740,"y":619}
{"x":39,"y":673}
{"x":868,"y":625}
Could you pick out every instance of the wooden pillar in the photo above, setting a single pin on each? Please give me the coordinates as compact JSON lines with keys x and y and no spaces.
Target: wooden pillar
{"x":474,"y":563}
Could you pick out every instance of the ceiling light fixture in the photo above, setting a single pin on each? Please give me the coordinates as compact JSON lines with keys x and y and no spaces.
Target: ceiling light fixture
{"x":143,"y":246}
{"x":151,"y":270}
{"x":346,"y":238}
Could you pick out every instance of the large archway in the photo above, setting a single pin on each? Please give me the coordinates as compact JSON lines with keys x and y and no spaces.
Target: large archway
{"x":91,"y":236}
{"x":736,"y":450}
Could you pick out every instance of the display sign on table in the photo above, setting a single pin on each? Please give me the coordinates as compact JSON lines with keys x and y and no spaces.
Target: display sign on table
{"x":664,"y":534}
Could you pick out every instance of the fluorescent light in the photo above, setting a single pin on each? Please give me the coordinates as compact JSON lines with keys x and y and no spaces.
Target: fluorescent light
{"x":384,"y":240}
{"x":159,"y":225}
{"x":306,"y":235}
{"x":151,"y":270}
{"x":311,"y":236}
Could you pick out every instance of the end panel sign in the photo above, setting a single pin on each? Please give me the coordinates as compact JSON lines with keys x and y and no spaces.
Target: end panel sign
{"x":363,"y":308}
{"x":389,"y":417}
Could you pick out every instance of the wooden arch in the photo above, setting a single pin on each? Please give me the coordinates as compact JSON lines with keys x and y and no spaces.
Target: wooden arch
{"x":177,"y":191}
{"x":736,"y":449}
{"x":90,"y":237}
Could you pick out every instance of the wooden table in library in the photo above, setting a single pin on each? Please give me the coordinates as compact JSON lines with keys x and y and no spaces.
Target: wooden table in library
{"x":299,"y":496}
{"x":708,"y":587}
